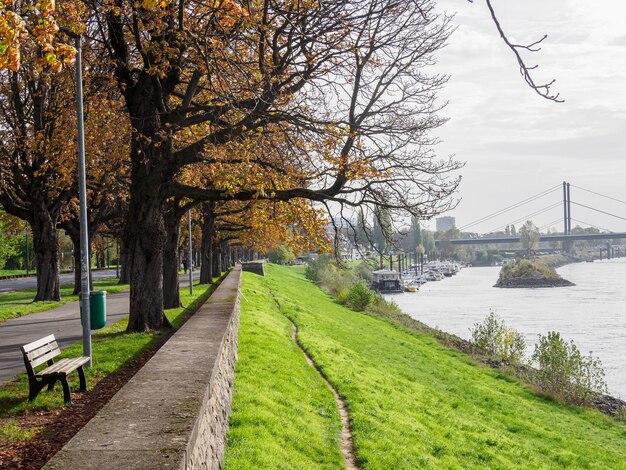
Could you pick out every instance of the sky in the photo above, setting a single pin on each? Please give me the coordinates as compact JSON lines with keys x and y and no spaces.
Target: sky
{"x":517,"y":144}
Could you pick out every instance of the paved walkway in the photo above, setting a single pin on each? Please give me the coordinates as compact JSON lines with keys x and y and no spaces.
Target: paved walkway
{"x":22,"y":283}
{"x":63,"y":322}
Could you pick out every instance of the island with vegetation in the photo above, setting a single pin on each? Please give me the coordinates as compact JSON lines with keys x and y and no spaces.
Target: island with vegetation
{"x":525,"y":273}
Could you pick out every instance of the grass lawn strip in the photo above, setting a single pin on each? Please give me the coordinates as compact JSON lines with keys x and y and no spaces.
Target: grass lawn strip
{"x":18,"y":303}
{"x":284,"y":415}
{"x":416,"y":404}
{"x":23,"y":423}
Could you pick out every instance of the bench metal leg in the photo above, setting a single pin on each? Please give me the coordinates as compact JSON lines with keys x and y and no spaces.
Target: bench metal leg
{"x":34,"y":388}
{"x":51,"y":384}
{"x":67,"y":396}
{"x":83,"y":382}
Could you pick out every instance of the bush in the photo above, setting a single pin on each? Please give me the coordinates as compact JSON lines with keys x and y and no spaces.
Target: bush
{"x":493,"y":337}
{"x":315,"y":267}
{"x":364,"y":271}
{"x":564,"y":372}
{"x":526,"y":269}
{"x":359,"y":296}
{"x":334,"y":279}
{"x":282,"y":255}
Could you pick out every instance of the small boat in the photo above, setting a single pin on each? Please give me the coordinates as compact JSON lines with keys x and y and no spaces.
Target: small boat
{"x":411,"y":288}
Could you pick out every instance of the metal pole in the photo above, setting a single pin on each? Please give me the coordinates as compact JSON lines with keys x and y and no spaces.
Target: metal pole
{"x":564,"y":208}
{"x":117,"y":258}
{"x":27,"y":254}
{"x":569,"y":212}
{"x":82,"y":186}
{"x":190,"y":252}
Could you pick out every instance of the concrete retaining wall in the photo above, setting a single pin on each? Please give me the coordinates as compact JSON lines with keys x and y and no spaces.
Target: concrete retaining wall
{"x":173,"y":414}
{"x":256,"y":267}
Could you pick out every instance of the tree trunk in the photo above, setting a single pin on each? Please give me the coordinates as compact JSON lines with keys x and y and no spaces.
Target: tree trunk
{"x":171,"y":286}
{"x":216,"y":255}
{"x":146,"y":236}
{"x":46,"y":246}
{"x":206,"y":248}
{"x":124,"y":261}
{"x":150,"y":153}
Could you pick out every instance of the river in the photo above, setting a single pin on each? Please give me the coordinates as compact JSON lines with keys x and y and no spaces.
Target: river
{"x":592,"y":313}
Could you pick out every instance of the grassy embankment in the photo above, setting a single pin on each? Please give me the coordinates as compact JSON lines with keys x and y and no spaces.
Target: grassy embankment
{"x":112,"y":348}
{"x":18,"y":303}
{"x":413,"y":403}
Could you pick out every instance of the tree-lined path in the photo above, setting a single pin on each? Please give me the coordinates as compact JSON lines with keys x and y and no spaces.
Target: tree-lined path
{"x":62,"y":321}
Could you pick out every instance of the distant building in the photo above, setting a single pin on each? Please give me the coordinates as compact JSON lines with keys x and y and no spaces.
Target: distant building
{"x":445,"y":223}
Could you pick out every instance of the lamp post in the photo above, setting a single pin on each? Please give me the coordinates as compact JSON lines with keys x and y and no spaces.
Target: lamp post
{"x":190,"y":252}
{"x":27,"y":254}
{"x":82,"y":188}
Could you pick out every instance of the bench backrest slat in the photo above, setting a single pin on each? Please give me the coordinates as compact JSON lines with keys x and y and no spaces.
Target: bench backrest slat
{"x":41,"y":351}
{"x":36,"y":344}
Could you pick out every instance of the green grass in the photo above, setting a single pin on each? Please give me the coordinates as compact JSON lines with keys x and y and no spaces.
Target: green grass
{"x":14,"y":272}
{"x":283,"y":415}
{"x":18,"y":303}
{"x":112,"y":347}
{"x":413,"y":403}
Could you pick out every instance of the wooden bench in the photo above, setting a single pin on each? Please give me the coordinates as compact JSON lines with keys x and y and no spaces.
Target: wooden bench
{"x":44,"y":350}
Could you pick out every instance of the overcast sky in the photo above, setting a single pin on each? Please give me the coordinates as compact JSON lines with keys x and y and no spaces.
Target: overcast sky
{"x":516,"y":144}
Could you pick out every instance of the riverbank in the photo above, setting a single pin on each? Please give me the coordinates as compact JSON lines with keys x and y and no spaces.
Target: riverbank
{"x":412,"y":402}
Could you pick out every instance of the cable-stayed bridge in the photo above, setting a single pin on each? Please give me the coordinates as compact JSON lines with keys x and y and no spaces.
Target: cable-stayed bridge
{"x":566,"y":237}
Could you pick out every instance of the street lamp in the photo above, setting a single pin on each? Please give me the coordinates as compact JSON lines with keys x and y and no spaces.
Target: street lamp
{"x":82,"y":189}
{"x":190,"y":252}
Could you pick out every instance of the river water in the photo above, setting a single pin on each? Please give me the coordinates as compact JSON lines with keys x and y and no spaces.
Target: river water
{"x":592,"y":313}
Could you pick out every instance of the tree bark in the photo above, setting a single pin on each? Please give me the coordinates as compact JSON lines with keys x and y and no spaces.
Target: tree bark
{"x":206,"y":248}
{"x":151,"y":149}
{"x":124,"y":262}
{"x":46,"y":246}
{"x":171,"y":286}
{"x":75,"y":237}
{"x":147,"y":236}
{"x":216,"y":255}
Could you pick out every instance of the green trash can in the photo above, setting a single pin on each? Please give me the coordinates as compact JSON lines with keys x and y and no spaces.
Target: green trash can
{"x":97,"y":309}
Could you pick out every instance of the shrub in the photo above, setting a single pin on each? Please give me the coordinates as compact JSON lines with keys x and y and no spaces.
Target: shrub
{"x":282,"y":255}
{"x":526,"y":269}
{"x":382,"y":306}
{"x":364,"y":271}
{"x":359,"y":296}
{"x":495,"y":338}
{"x":564,"y":372}
{"x":333,"y":279}
{"x":315,"y":267}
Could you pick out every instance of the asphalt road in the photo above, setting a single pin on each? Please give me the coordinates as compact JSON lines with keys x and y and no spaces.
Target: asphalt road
{"x":63,"y":322}
{"x":31,"y":282}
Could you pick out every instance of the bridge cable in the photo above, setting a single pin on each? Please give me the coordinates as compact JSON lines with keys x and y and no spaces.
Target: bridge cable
{"x":598,"y":210}
{"x":598,"y":194}
{"x":594,"y":226}
{"x":560,"y":219}
{"x":511,"y":207}
{"x":527,"y":217}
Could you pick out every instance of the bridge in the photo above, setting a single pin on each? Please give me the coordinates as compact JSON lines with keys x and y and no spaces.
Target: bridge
{"x":542,"y":238}
{"x":566,"y":238}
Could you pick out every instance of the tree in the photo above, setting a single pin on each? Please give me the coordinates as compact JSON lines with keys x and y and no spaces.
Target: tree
{"x":529,"y":236}
{"x":267,"y":65}
{"x":282,"y":255}
{"x":35,"y":165}
{"x":382,"y":230}
{"x":362,"y":229}
{"x":416,"y":233}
